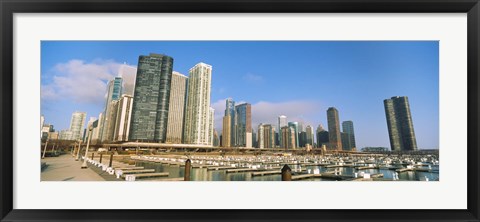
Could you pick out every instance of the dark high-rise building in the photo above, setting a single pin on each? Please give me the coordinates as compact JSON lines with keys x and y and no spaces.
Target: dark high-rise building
{"x":151,"y":98}
{"x":347,"y":127}
{"x":334,"y":129}
{"x":322,"y":138}
{"x":345,"y":141}
{"x":277,"y":139}
{"x":302,"y":137}
{"x":400,"y":125}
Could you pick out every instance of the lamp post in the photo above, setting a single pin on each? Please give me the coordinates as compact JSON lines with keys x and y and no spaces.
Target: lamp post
{"x":78,"y":150}
{"x":45,"y":149}
{"x":90,"y":128}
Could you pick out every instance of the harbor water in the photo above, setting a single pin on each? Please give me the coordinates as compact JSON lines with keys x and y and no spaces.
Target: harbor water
{"x":203,"y":174}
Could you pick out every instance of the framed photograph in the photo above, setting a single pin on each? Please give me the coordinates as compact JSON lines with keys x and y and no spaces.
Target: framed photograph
{"x":253,"y":111}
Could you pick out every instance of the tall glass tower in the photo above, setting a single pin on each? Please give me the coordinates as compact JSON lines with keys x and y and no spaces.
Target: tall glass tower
{"x":243,"y":115}
{"x":400,"y":124}
{"x":151,"y":98}
{"x":230,"y":111}
{"x":347,"y":127}
{"x":294,"y":125}
{"x":282,"y":121}
{"x":114,"y":91}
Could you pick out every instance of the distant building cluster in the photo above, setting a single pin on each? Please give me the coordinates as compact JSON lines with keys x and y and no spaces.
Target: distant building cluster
{"x":237,"y":125}
{"x":161,"y":105}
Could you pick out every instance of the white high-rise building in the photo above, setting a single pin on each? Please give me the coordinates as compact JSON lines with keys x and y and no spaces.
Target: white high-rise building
{"x":122,"y":123}
{"x":197,"y":112}
{"x":176,"y":108}
{"x":77,"y":124}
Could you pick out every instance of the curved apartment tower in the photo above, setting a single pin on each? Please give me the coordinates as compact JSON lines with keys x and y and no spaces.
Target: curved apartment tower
{"x":400,"y":124}
{"x":334,"y":136}
{"x":151,"y":98}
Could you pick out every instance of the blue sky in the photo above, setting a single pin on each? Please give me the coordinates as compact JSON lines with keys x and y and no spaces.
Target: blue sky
{"x":299,"y":79}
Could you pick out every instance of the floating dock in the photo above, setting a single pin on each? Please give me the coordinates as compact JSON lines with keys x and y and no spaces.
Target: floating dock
{"x":148,"y":175}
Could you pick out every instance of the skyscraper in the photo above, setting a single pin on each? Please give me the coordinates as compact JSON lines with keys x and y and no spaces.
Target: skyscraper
{"x":243,"y":128}
{"x":288,"y":135}
{"x":96,"y":131}
{"x":347,"y":127}
{"x":266,"y":136}
{"x":230,"y":111}
{"x":176,"y":111}
{"x":282,"y":121}
{"x":260,"y":136}
{"x":310,"y":136}
{"x":345,"y":141}
{"x":294,"y":125}
{"x":124,"y":114}
{"x":76,"y":125}
{"x":302,"y":136}
{"x":110,"y":121}
{"x":322,"y":138}
{"x":151,"y":98}
{"x":226,"y":134}
{"x":216,"y":139}
{"x":114,"y":91}
{"x":334,"y":129}
{"x":198,"y":105}
{"x":400,"y":124}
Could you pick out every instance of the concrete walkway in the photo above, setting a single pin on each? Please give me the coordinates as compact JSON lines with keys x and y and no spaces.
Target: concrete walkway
{"x":65,"y":168}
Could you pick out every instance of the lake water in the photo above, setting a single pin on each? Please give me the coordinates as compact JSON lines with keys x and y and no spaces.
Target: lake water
{"x":202,"y":174}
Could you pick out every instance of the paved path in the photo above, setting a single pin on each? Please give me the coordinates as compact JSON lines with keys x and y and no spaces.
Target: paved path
{"x":65,"y":168}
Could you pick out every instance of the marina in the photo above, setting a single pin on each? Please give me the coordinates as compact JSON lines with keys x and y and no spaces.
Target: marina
{"x":268,"y":167}
{"x":264,"y":167}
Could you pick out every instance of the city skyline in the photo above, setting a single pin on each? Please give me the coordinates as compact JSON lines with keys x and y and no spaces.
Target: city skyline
{"x":267,"y":106}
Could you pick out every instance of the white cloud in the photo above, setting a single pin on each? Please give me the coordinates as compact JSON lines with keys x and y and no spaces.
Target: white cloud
{"x":268,"y":112}
{"x":252,"y":78}
{"x":80,"y":82}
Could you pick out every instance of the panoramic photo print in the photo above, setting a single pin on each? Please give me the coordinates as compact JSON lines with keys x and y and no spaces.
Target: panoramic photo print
{"x":313,"y":111}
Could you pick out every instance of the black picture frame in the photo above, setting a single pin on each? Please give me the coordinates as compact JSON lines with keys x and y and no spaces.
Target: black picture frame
{"x":9,"y":7}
